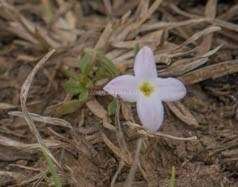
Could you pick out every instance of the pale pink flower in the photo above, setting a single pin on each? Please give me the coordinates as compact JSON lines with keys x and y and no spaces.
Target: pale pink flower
{"x":147,"y":90}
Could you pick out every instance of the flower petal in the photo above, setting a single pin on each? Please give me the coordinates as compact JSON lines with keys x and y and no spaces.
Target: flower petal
{"x":150,"y":111}
{"x":123,"y":86}
{"x":144,"y":66}
{"x":170,"y":89}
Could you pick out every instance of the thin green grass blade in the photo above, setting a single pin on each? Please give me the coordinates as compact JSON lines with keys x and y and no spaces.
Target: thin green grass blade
{"x":172,"y":181}
{"x":52,"y":169}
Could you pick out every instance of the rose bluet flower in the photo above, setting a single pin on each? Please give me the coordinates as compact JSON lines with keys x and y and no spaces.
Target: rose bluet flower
{"x":147,"y":90}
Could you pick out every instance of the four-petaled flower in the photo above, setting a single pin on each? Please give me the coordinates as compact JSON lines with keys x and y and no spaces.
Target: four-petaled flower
{"x":147,"y":90}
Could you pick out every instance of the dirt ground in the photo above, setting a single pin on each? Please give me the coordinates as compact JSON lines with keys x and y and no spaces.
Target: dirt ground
{"x":91,"y":139}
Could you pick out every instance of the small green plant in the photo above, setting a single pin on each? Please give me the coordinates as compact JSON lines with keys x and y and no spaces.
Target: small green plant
{"x":94,"y":66}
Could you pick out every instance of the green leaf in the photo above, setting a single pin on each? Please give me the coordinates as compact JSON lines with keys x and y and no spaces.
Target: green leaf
{"x":70,"y":74}
{"x":112,"y":107}
{"x":68,"y":107}
{"x":85,"y":81}
{"x":106,"y":68}
{"x":73,"y":87}
{"x":101,"y":73}
{"x":108,"y":65}
{"x":83,"y":96}
{"x":86,"y":63}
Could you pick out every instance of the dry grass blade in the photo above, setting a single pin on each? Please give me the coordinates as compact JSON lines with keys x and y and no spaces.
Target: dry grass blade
{"x":6,"y":106}
{"x":123,"y":57}
{"x":24,"y":94}
{"x":23,"y":98}
{"x":226,"y":25}
{"x":151,"y":10}
{"x":198,"y":35}
{"x":9,"y":12}
{"x":120,"y":136}
{"x":171,"y":25}
{"x":145,"y":132}
{"x":26,"y":29}
{"x":127,"y":112}
{"x":211,"y":52}
{"x":44,"y":119}
{"x":108,"y":6}
{"x":211,"y":72}
{"x":114,"y":178}
{"x":97,"y":109}
{"x":134,"y":26}
{"x":117,"y":151}
{"x":17,"y":176}
{"x":192,"y":138}
{"x":219,"y":22}
{"x":122,"y":143}
{"x":185,"y":65}
{"x":131,"y":175}
{"x":183,"y":113}
{"x":104,"y":36}
{"x":19,"y":145}
{"x":142,"y":8}
{"x":230,"y":13}
{"x":153,"y":39}
{"x":210,"y":12}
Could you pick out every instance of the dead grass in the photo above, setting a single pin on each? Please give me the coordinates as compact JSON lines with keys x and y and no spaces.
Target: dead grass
{"x":192,"y":40}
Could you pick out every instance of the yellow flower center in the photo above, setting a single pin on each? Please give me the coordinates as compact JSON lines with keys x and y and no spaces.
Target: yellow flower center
{"x":146,"y":88}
